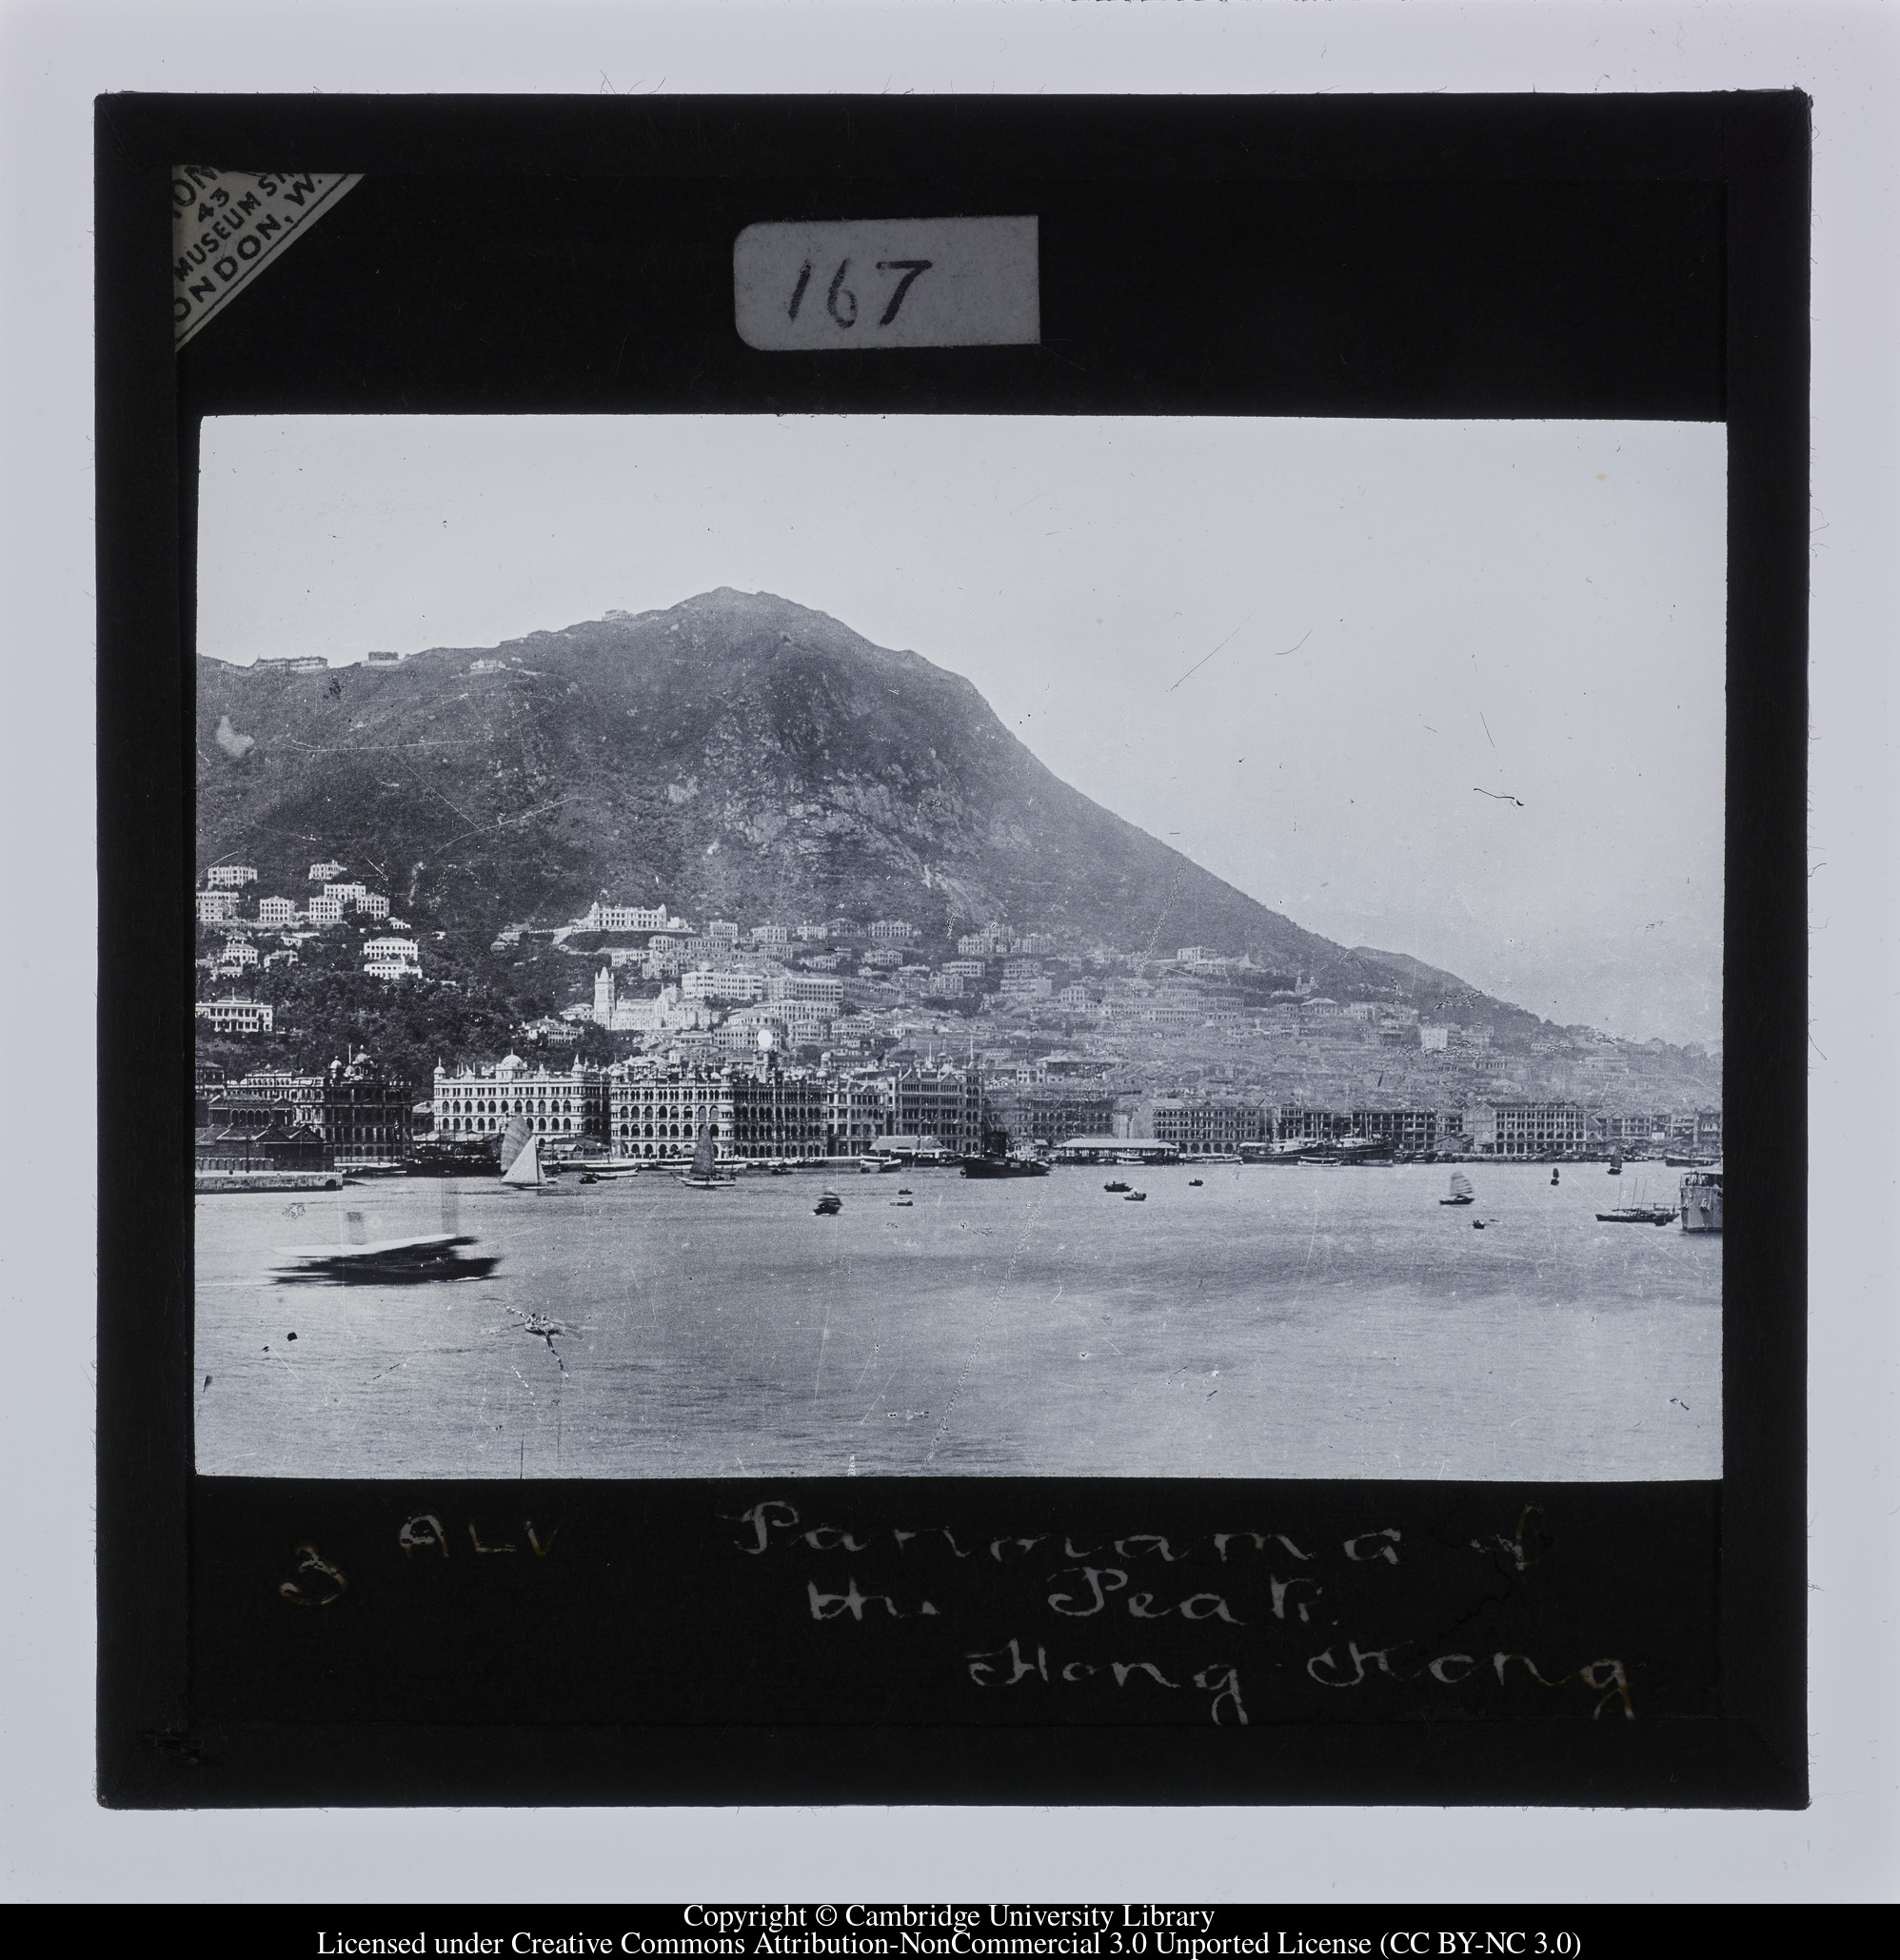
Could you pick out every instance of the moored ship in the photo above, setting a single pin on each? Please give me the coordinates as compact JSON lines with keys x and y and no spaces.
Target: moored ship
{"x":1702,"y":1201}
{"x":1004,"y":1167}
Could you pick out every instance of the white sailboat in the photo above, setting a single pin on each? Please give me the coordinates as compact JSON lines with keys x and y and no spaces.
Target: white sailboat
{"x":525,"y":1170}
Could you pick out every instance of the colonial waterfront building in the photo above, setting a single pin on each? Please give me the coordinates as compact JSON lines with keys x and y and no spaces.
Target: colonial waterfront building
{"x":566,"y":1104}
{"x":657,"y":1108}
{"x":1633,"y":1132}
{"x":1048,"y":1111}
{"x":757,"y":1110}
{"x":1295,"y":1123}
{"x":274,"y":1146}
{"x":946,"y":1103}
{"x":277,"y":1094}
{"x":779,"y":1113}
{"x":1404,"y":1129}
{"x":1527,"y":1129}
{"x":854,"y":1111}
{"x":366,"y":1116}
{"x":1216,"y":1128}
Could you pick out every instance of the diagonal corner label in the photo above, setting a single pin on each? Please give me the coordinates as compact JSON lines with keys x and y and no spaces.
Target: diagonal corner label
{"x":226,"y":225}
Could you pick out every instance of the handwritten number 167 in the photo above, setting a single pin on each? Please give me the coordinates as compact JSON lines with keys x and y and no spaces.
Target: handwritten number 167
{"x":841,"y":303}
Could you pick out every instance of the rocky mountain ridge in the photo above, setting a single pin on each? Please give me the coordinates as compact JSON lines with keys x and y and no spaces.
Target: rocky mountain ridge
{"x":734,"y":756}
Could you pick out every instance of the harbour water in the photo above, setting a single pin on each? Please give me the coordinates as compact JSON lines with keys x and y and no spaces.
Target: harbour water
{"x":1285,"y":1322}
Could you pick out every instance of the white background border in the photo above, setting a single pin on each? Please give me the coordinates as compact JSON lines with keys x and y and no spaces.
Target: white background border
{"x":54,"y":1843}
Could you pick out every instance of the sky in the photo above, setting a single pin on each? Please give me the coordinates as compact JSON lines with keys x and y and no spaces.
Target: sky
{"x":1447,"y":688}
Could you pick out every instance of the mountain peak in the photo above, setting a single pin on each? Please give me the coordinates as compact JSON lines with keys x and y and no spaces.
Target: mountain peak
{"x":737,"y":755}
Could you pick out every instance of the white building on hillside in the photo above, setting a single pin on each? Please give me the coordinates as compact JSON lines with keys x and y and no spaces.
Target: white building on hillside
{"x":391,"y":959}
{"x":232,"y":1015}
{"x":710,"y":983}
{"x":231,"y":877}
{"x":811,"y":989}
{"x":600,"y":918}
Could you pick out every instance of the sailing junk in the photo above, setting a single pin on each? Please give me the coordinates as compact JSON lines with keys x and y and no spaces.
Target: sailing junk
{"x":704,"y":1173}
{"x":1462,"y":1190}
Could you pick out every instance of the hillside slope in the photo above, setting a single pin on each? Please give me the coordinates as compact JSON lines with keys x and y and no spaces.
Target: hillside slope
{"x":735,"y":756}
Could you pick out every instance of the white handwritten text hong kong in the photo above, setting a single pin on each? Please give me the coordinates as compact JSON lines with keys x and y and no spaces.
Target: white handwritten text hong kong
{"x":1262,"y":1585}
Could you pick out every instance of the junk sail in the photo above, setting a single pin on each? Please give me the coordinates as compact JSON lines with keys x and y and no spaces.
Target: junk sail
{"x":704,"y":1174}
{"x":527,"y":1167}
{"x":514,"y":1139}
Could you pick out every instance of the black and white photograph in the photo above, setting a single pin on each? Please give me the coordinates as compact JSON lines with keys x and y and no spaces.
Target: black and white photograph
{"x":986,"y":946}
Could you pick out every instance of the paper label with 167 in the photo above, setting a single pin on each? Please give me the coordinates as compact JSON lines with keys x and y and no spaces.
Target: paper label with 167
{"x":887,"y":283}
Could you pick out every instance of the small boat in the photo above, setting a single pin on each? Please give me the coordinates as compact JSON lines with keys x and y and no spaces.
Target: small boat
{"x":704,"y":1174}
{"x":902,"y":1204}
{"x":1462,"y":1190}
{"x":384,"y":1262}
{"x":1478,"y":1224}
{"x":828,"y":1206}
{"x":779,"y":1171}
{"x":1638,"y":1215}
{"x":1195,"y":1183}
{"x":1116,"y":1185}
{"x":1553,"y":1174}
{"x":1135,"y":1198}
{"x":904,"y":1191}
